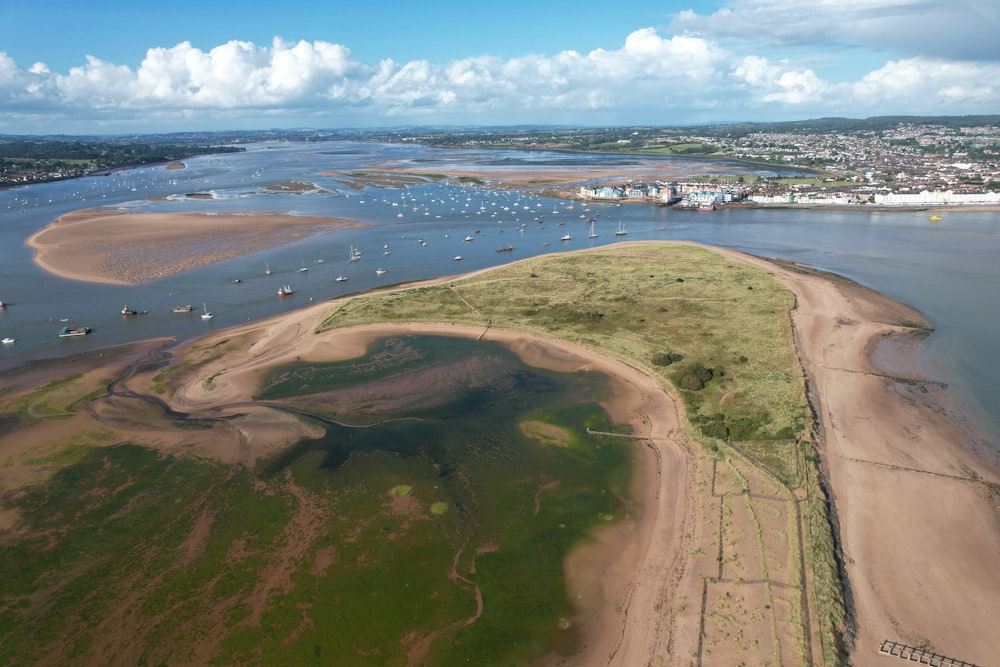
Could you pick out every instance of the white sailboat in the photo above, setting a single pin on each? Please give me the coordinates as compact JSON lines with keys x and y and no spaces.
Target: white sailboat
{"x":621,"y":229}
{"x":593,"y":233}
{"x":205,"y":315}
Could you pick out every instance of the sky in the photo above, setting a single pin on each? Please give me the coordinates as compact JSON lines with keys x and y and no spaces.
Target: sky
{"x":116,"y":67}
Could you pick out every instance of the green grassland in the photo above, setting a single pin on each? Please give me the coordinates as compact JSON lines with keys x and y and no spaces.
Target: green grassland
{"x":126,"y":547}
{"x":717,"y":330}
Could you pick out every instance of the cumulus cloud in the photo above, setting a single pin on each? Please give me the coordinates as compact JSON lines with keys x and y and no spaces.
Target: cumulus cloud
{"x":650,"y":79}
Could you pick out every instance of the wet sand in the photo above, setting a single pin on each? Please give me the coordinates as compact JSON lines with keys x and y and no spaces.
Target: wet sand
{"x":918,"y":512}
{"x":110,"y":246}
{"x":918,"y":517}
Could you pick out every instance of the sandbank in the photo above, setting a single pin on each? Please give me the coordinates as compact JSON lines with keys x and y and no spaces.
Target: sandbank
{"x":918,"y":513}
{"x":105,"y":245}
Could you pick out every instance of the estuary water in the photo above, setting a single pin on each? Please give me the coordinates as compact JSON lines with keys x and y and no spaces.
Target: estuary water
{"x":946,"y":269}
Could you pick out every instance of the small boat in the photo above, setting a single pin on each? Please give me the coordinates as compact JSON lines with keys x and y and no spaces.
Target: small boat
{"x":706,"y":208}
{"x":7,"y":341}
{"x":182,"y":309}
{"x":129,"y":311}
{"x":621,"y":231}
{"x":205,"y":315}
{"x":354,"y":255}
{"x":469,"y":238}
{"x":566,"y":237}
{"x":341,"y":279}
{"x":285,"y":290}
{"x":70,"y":332}
{"x":379,"y":271}
{"x":267,"y":269}
{"x":3,"y":304}
{"x":458,"y":258}
{"x":935,"y":218}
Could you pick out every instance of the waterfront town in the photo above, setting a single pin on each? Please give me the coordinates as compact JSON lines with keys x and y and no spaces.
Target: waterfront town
{"x":907,"y":165}
{"x":907,"y":162}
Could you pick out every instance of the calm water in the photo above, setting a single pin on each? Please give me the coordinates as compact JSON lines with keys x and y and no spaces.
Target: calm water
{"x":948,"y":270}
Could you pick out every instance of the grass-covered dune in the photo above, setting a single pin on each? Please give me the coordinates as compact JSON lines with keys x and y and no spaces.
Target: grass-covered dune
{"x":114,"y":552}
{"x":715,"y":330}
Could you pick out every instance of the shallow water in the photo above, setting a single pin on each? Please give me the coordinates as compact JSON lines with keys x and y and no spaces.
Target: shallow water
{"x":947,"y":269}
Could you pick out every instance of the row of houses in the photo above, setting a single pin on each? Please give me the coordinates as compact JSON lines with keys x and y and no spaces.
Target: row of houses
{"x":681,"y":194}
{"x":901,"y":199}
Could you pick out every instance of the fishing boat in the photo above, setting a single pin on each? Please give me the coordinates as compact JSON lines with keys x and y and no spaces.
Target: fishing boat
{"x":285,"y":290}
{"x":182,"y":309}
{"x":205,"y":314}
{"x":621,"y":231}
{"x":355,"y":254}
{"x":70,"y":332}
{"x":126,"y":311}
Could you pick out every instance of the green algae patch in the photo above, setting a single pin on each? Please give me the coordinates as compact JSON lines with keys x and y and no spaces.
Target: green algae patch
{"x":401,"y":490}
{"x":439,"y":507}
{"x":549,"y":434}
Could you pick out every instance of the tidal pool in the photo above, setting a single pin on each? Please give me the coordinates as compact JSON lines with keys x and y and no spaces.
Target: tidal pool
{"x":457,"y":479}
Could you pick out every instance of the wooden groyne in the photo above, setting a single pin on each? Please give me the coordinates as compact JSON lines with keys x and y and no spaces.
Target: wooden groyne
{"x":920,"y":656}
{"x":617,"y":435}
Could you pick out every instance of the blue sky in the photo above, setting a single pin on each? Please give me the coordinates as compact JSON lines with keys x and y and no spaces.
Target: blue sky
{"x":113,"y":66}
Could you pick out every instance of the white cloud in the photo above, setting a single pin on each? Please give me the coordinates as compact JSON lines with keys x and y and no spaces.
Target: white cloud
{"x":957,"y":29}
{"x":932,"y":87}
{"x":650,"y":79}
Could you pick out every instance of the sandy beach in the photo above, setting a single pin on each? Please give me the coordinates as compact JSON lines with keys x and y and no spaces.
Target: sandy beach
{"x":126,"y":248}
{"x":917,"y":509}
{"x":919,"y":513}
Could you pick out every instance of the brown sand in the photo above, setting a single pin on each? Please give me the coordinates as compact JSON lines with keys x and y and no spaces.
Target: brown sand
{"x":918,"y":512}
{"x":920,"y":528}
{"x":111,"y":246}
